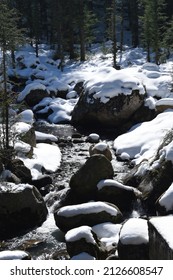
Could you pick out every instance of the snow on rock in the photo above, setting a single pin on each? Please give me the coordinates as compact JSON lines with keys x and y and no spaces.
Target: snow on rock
{"x":83,"y":256}
{"x":87,"y":208}
{"x":102,"y":146}
{"x":21,"y":127}
{"x":14,"y":255}
{"x":163,"y":104}
{"x":45,"y":156}
{"x":90,"y":214}
{"x":108,"y":83}
{"x":93,"y":138}
{"x":26,"y":116}
{"x":143,"y":140}
{"x":40,"y":136}
{"x":83,"y":239}
{"x":30,"y":87}
{"x":116,"y":184}
{"x":134,"y":231}
{"x":122,"y":196}
{"x":150,"y":67}
{"x":161,"y":241}
{"x":61,"y":109}
{"x":72,"y":94}
{"x":150,"y":103}
{"x":166,"y":200}
{"x":108,"y":234}
{"x":79,"y":233}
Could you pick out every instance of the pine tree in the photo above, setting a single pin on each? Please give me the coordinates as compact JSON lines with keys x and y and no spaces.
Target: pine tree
{"x":154,"y":21}
{"x":112,"y":21}
{"x":10,"y":36}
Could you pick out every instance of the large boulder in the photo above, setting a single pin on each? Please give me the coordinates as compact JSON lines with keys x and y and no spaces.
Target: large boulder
{"x":83,"y":239}
{"x":155,"y":182}
{"x":122,"y":196}
{"x":33,"y":93}
{"x":115,"y":113}
{"x":134,"y":239}
{"x":21,"y":209}
{"x":91,"y":213}
{"x":84,"y":182}
{"x":164,"y":204}
{"x":160,"y":238}
{"x":110,"y":98}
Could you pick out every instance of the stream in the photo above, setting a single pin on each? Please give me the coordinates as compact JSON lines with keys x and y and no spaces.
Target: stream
{"x":47,"y":241}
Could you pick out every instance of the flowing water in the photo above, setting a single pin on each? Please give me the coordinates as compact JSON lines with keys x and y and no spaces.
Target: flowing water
{"x":47,"y":241}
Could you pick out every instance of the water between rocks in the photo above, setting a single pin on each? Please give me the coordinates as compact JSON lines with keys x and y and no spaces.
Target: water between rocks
{"x":47,"y":241}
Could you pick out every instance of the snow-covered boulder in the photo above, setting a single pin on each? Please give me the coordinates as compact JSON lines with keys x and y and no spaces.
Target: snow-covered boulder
{"x":84,"y":182}
{"x":108,"y":233}
{"x":101,"y":148}
{"x":83,"y":239}
{"x":133,"y":240}
{"x":160,"y":238}
{"x":164,"y":104}
{"x":109,"y":98}
{"x":142,"y":141}
{"x":14,"y":255}
{"x":33,"y":93}
{"x":122,"y":196}
{"x":90,"y":213}
{"x":164,"y":204}
{"x":21,"y":208}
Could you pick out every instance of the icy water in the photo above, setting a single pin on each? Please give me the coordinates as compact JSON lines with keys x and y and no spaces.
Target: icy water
{"x":47,"y":241}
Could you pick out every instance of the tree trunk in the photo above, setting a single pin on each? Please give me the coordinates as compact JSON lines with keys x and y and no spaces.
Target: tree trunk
{"x":114,"y":34}
{"x":81,"y":31}
{"x":5,"y":101}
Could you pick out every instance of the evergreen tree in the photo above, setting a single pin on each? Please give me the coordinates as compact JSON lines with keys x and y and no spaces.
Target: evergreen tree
{"x":10,"y":36}
{"x":133,"y":15}
{"x":154,"y":25}
{"x":112,"y":21}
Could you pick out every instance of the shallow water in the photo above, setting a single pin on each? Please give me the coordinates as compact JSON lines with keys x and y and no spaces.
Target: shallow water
{"x":47,"y":241}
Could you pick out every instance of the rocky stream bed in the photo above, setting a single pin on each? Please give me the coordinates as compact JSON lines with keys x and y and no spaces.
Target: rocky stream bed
{"x":47,"y":241}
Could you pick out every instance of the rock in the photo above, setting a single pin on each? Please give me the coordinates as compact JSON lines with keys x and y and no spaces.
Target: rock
{"x":160,"y":238}
{"x":14,"y":255}
{"x":91,"y":213}
{"x":84,"y":182}
{"x":83,"y":256}
{"x":108,"y":234}
{"x":78,"y":87}
{"x":83,"y":239}
{"x":29,"y":137}
{"x":17,"y":167}
{"x":114,"y":113}
{"x":155,"y":182}
{"x":93,"y":138}
{"x":133,"y":241}
{"x":43,"y":184}
{"x":21,"y":209}
{"x":42,"y":181}
{"x":164,"y":104}
{"x":114,"y":192}
{"x":35,"y":96}
{"x":101,"y":149}
{"x":164,"y":204}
